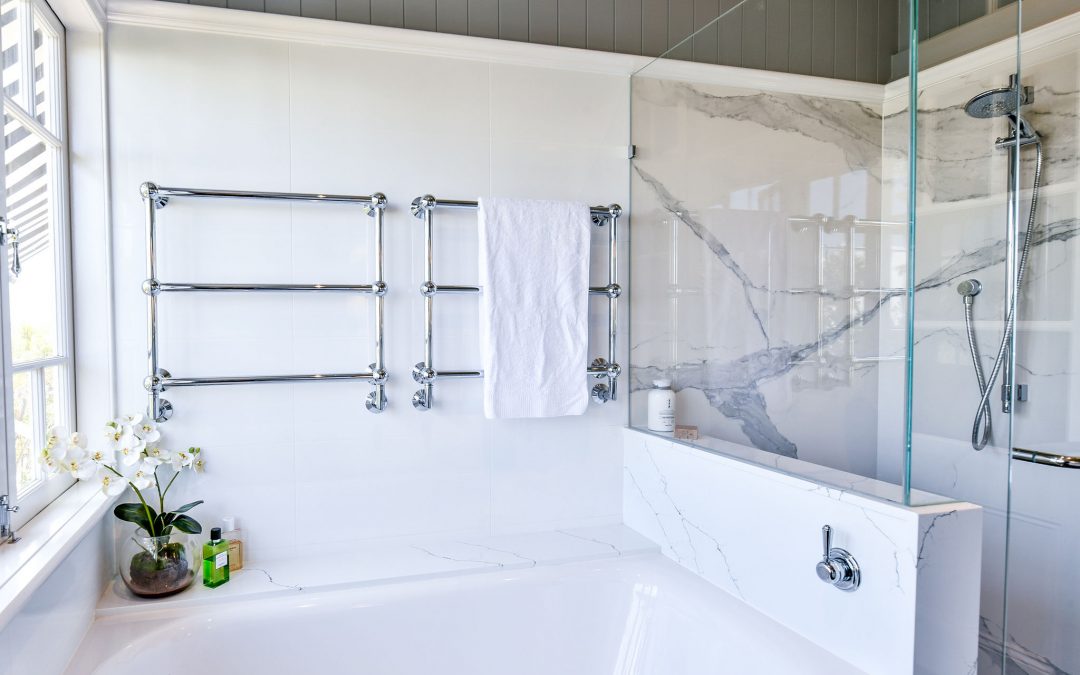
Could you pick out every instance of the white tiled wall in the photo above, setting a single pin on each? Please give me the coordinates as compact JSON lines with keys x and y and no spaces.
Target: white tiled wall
{"x":306,"y":464}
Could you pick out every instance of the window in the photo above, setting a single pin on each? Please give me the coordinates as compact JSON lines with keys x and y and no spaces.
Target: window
{"x":35,"y":291}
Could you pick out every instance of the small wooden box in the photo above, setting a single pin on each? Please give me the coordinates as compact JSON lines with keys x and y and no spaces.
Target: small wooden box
{"x":686,"y":432}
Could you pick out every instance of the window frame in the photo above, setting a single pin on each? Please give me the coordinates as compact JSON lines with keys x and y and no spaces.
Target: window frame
{"x":37,"y":13}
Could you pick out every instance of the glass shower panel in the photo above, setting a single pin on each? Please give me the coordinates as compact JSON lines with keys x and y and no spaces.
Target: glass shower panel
{"x":769,"y":251}
{"x":1043,"y":583}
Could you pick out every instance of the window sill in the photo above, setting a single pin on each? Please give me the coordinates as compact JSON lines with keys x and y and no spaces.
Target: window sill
{"x":44,"y":543}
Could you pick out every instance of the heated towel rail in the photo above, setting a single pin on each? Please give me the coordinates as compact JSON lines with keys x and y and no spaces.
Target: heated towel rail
{"x":160,"y":380}
{"x":425,"y":373}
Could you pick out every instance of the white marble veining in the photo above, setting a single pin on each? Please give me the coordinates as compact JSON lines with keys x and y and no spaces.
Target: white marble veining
{"x":756,"y":533}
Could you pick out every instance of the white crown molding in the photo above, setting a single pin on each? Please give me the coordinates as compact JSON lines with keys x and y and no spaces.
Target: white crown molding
{"x":176,"y":16}
{"x":1052,"y":37}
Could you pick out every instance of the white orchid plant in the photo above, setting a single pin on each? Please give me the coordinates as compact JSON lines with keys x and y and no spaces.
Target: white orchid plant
{"x":131,"y":455}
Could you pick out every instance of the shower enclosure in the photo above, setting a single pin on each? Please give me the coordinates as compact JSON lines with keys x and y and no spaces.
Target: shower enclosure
{"x":879,"y":295}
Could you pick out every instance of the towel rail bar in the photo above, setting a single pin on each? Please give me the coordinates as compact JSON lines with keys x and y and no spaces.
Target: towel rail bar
{"x":425,"y":374}
{"x":159,"y":380}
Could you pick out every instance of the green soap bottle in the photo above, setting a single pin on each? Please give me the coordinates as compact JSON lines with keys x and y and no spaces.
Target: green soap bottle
{"x":215,"y":562}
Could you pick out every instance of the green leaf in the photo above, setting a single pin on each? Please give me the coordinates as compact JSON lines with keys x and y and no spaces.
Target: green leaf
{"x":187,"y":524}
{"x":187,"y":507}
{"x":137,"y":513}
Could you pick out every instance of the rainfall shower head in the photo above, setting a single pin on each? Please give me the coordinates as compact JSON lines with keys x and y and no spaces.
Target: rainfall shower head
{"x":993,"y":103}
{"x":1006,"y":102}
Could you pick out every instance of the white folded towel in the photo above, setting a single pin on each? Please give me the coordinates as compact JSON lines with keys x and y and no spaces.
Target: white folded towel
{"x":534,"y":307}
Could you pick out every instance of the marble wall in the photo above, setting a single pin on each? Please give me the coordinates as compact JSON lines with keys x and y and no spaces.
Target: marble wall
{"x":756,"y":533}
{"x":758,"y":250}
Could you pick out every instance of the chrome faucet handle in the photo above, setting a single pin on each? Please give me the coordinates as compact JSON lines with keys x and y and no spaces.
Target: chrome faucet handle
{"x":837,"y":566}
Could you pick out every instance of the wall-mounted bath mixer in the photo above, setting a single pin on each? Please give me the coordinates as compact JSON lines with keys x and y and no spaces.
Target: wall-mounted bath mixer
{"x":1005,"y":102}
{"x":837,"y":566}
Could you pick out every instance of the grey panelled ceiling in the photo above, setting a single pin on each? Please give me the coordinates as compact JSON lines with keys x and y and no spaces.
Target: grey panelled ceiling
{"x":848,"y":39}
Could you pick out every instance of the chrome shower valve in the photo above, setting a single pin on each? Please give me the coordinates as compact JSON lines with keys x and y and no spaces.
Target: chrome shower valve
{"x":837,"y":566}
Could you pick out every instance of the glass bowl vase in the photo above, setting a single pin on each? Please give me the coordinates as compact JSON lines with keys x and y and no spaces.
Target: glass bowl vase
{"x":153,"y":567}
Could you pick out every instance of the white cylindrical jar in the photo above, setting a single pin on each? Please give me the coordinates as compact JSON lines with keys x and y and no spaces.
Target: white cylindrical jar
{"x":661,"y":406}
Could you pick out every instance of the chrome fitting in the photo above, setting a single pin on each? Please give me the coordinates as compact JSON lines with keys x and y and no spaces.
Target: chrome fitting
{"x":614,"y":370}
{"x":428,"y":289}
{"x":378,"y":377}
{"x":420,"y":400}
{"x":420,"y":205}
{"x":151,"y":191}
{"x":422,"y":374}
{"x":601,"y":394}
{"x":151,"y":287}
{"x":615,"y":210}
{"x":378,"y":203}
{"x":376,"y":401}
{"x":379,"y":288}
{"x":155,"y":384}
{"x":613,"y":290}
{"x":837,"y":566}
{"x":164,"y":411}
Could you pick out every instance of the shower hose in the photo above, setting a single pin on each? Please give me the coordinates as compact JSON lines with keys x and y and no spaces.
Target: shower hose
{"x":982,"y":430}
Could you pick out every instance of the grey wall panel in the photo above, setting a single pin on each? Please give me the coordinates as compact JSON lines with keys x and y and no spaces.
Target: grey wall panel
{"x":944,"y":14}
{"x":318,"y":9}
{"x":290,"y":7}
{"x":573,"y":23}
{"x":969,"y":10}
{"x":866,"y":41}
{"x":824,"y":46}
{"x":387,"y":13}
{"x":706,"y":46}
{"x":846,"y":39}
{"x":628,"y":26}
{"x":654,"y":31}
{"x":800,"y":37}
{"x":544,"y":21}
{"x":601,"y":25}
{"x":208,"y":3}
{"x":754,"y":33}
{"x":420,"y":14}
{"x":452,"y":16}
{"x":849,"y":39}
{"x":777,"y":42}
{"x":514,"y":20}
{"x":355,"y":11}
{"x":680,"y":26}
{"x":731,"y":33}
{"x":484,"y":18}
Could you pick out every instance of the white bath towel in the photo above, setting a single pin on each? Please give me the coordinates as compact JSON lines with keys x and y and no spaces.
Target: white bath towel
{"x":534,"y":307}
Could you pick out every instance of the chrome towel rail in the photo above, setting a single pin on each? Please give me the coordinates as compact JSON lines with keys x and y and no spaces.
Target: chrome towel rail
{"x":425,"y":373}
{"x":1046,"y":458}
{"x":159,"y":380}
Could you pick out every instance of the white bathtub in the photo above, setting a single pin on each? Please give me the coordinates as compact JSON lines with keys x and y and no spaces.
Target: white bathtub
{"x":631,"y":615}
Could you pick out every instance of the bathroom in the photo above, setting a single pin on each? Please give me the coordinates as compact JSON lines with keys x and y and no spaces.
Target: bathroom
{"x":254,"y":247}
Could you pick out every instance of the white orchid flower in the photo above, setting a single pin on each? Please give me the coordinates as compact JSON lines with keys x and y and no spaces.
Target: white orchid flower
{"x":50,"y":464}
{"x":182,"y":459}
{"x":157,"y":455}
{"x":113,"y":432}
{"x":130,"y":449}
{"x":147,"y":431}
{"x":78,"y":440}
{"x":199,"y":465}
{"x":102,"y":457}
{"x":142,"y":477}
{"x":129,"y":420}
{"x":111,"y":484}
{"x":80,"y":467}
{"x":56,"y":442}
